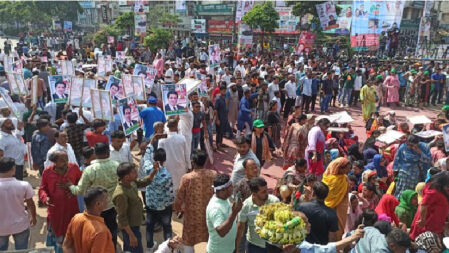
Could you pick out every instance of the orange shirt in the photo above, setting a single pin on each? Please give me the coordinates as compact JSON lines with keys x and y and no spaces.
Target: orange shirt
{"x":94,"y":138}
{"x":88,"y":233}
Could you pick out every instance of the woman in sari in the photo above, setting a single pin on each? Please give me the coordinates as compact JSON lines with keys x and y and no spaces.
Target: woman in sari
{"x":387,"y":205}
{"x":368,"y":99}
{"x":392,"y":85}
{"x":407,"y":207}
{"x":315,"y":147}
{"x":292,"y":143}
{"x":433,"y":210}
{"x":337,"y":181}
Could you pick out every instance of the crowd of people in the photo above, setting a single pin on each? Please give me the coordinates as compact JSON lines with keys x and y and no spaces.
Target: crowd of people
{"x":355,"y":195}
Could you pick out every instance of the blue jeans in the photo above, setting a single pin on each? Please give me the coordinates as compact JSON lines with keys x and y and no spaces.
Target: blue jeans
{"x":138,"y":235}
{"x":324,"y":105}
{"x":20,"y":240}
{"x":163,"y":217}
{"x":347,"y":92}
{"x":196,"y":137}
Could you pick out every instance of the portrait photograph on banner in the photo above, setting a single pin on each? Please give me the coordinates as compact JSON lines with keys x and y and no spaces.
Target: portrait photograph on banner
{"x":120,"y":56}
{"x":86,"y":100}
{"x":139,"y":87}
{"x":16,"y":83}
{"x":76,"y":91}
{"x":446,"y":137}
{"x":115,"y":86}
{"x":129,"y":114}
{"x":214,"y":55}
{"x":59,"y":88}
{"x":202,"y":89}
{"x":101,"y":104}
{"x":174,"y":97}
{"x":148,"y":74}
{"x":4,"y":94}
{"x":328,"y":15}
{"x":101,"y":66}
{"x":96,"y":103}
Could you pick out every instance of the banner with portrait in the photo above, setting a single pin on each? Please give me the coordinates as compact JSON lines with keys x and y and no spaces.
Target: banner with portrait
{"x":305,"y":42}
{"x":133,"y":86}
{"x":129,"y":114}
{"x":214,"y":55}
{"x":101,"y":66}
{"x":328,"y":15}
{"x":148,"y":73}
{"x":245,"y":36}
{"x":115,"y":87}
{"x":8,"y":101}
{"x":76,"y":91}
{"x":344,"y":20}
{"x":243,"y":6}
{"x":140,"y":24}
{"x":67,"y":68}
{"x":120,"y":56}
{"x":174,"y":98}
{"x":101,"y":104}
{"x":59,"y":88}
{"x":16,"y":83}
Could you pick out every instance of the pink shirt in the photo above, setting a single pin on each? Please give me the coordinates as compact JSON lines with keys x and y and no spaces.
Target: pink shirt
{"x":12,"y":196}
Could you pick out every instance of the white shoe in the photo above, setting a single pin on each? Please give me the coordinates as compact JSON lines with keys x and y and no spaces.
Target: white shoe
{"x":153,"y":249}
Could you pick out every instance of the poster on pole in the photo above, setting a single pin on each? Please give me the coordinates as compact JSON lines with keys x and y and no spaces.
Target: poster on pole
{"x":148,"y":73}
{"x":108,"y":65}
{"x":305,"y":42}
{"x":133,"y":86}
{"x":174,"y":98}
{"x":140,"y":24}
{"x":214,"y":55}
{"x":202,"y":88}
{"x":17,"y":83}
{"x":129,"y":114}
{"x":8,"y":63}
{"x":101,"y":104}
{"x":100,"y":82}
{"x":86,"y":100}
{"x":115,"y":86}
{"x":245,"y":36}
{"x":4,"y":94}
{"x":128,"y":89}
{"x":328,"y":15}
{"x":67,"y":68}
{"x":101,"y":66}
{"x":76,"y":90}
{"x":34,"y":85}
{"x":60,"y":88}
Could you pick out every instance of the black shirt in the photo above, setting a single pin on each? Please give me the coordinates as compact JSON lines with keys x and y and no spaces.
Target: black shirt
{"x":322,"y":219}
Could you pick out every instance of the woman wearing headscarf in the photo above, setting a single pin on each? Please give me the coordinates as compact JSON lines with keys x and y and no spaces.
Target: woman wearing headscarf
{"x":411,"y":164}
{"x":315,"y":147}
{"x":378,"y":164}
{"x":392,"y":85}
{"x":433,"y":210}
{"x":429,"y":242}
{"x":353,"y":214}
{"x":337,"y":181}
{"x":387,"y":205}
{"x":407,"y":207}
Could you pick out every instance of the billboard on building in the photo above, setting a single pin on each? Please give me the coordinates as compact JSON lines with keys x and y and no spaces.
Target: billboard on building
{"x":198,"y":25}
{"x":344,"y":20}
{"x":220,"y":26}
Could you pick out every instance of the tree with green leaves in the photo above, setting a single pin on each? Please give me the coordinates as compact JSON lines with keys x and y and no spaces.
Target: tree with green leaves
{"x":263,"y":17}
{"x":301,"y":8}
{"x":125,"y":22}
{"x":170,"y":20}
{"x":101,"y":36}
{"x":158,"y":38}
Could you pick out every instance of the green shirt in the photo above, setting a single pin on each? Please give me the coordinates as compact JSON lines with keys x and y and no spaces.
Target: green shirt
{"x":349,"y":84}
{"x":102,"y":172}
{"x":29,"y":128}
{"x":128,"y":203}
{"x":217,"y":211}
{"x":248,"y":215}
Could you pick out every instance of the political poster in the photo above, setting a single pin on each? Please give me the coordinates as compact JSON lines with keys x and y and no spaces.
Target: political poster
{"x":446,"y":137}
{"x":243,"y":6}
{"x":110,"y":39}
{"x":129,"y":114}
{"x":305,"y":42}
{"x":148,"y":73}
{"x":370,"y":18}
{"x":344,"y":20}
{"x":139,"y":87}
{"x":101,"y":104}
{"x":180,"y":6}
{"x":327,"y":14}
{"x":76,"y":91}
{"x":34,"y":82}
{"x":120,"y":56}
{"x":59,"y":88}
{"x":174,"y":98}
{"x":16,"y":83}
{"x":108,"y":65}
{"x":202,"y":88}
{"x":101,"y":66}
{"x":86,"y":100}
{"x":67,"y":68}
{"x":140,"y":24}
{"x":4,"y":94}
{"x":245,"y":36}
{"x":214,"y":55}
{"x":424,"y":24}
{"x":67,"y":26}
{"x":115,"y":86}
{"x":8,"y":63}
{"x":100,"y":82}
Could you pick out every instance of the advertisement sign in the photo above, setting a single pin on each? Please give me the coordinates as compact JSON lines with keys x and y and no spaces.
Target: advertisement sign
{"x":220,"y":26}
{"x":67,"y":26}
{"x":214,"y":9}
{"x":327,"y":14}
{"x":180,"y":6}
{"x":305,"y":42}
{"x":243,"y":6}
{"x":198,"y":25}
{"x":140,"y":23}
{"x":344,"y":20}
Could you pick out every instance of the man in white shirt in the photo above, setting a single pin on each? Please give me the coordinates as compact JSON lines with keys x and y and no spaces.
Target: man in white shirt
{"x":272,"y":87}
{"x":290,"y":88}
{"x":203,"y":55}
{"x":119,"y":150}
{"x":61,"y":144}
{"x":177,"y":149}
{"x":358,"y":83}
{"x":12,"y":145}
{"x":241,"y":68}
{"x":227,"y":76}
{"x":168,"y":76}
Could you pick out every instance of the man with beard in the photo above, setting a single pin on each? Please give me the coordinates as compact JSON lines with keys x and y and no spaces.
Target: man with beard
{"x":12,"y":145}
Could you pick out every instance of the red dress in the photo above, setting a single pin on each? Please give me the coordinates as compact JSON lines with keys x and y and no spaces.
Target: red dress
{"x":437,"y":210}
{"x":63,"y":208}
